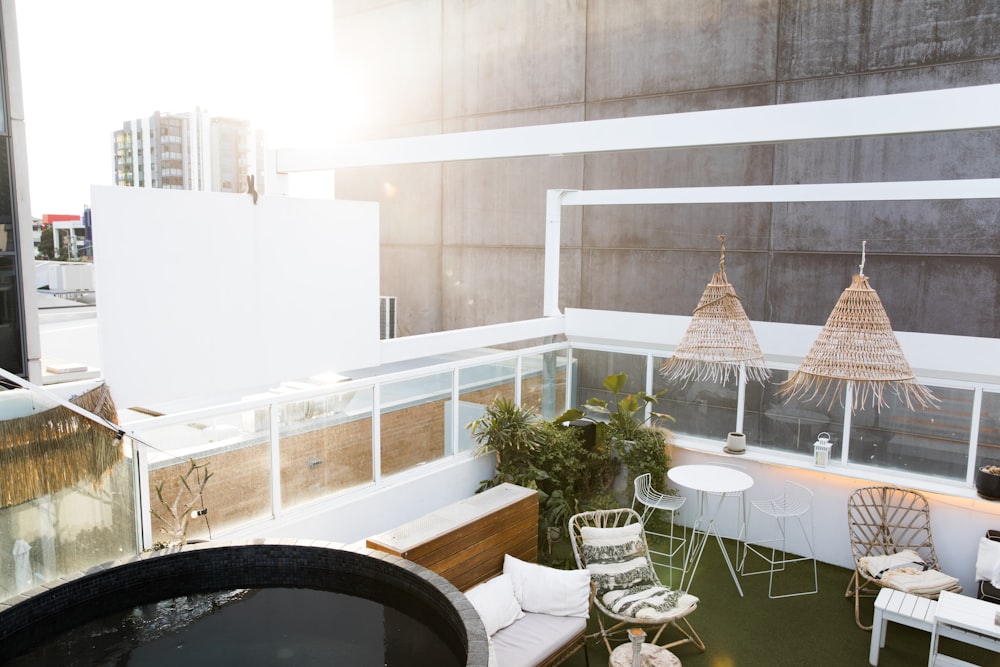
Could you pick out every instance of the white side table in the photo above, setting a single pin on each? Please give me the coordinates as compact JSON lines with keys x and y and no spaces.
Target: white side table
{"x":902,"y":608}
{"x":967,"y":620}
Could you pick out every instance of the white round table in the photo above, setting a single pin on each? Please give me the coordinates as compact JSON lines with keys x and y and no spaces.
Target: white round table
{"x":717,"y":481}
{"x":651,"y":655}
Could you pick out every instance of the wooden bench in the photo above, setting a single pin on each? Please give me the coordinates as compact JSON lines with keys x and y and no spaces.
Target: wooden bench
{"x":898,"y":607}
{"x":465,"y":542}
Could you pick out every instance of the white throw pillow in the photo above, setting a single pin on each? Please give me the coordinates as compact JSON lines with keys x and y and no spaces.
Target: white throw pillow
{"x":988,"y":559}
{"x":496,"y":603}
{"x":547,"y":590}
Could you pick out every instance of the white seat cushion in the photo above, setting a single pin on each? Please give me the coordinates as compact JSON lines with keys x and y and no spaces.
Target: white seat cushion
{"x":534,"y":638}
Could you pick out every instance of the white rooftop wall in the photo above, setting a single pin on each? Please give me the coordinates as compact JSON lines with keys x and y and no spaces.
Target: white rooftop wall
{"x":205,"y":294}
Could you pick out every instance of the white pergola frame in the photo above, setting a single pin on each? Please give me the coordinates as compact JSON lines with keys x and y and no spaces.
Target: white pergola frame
{"x":968,"y":108}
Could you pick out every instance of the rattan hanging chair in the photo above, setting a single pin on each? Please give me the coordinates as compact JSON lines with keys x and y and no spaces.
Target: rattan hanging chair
{"x":719,"y":339}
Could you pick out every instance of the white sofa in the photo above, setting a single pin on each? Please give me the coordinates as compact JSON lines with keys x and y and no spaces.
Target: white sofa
{"x":535,"y":615}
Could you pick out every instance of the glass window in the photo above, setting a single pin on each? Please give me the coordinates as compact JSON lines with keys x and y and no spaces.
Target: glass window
{"x":595,"y":365}
{"x":413,"y":418}
{"x":988,"y":448}
{"x":702,"y":409}
{"x":479,"y":386}
{"x":234,"y":448}
{"x":931,"y":441}
{"x":543,"y":383}
{"x":326,"y":445}
{"x":772,"y":422}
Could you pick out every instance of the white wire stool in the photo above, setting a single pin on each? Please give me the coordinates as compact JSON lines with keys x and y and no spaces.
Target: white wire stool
{"x":652,"y":500}
{"x":794,"y":503}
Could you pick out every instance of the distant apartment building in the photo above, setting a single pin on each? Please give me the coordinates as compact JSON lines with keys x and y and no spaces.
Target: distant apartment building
{"x":188,"y":151}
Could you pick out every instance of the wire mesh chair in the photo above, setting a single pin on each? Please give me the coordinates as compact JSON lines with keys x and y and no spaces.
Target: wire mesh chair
{"x":882,"y":521}
{"x":795,"y":502}
{"x":652,"y":500}
{"x":580,"y":524}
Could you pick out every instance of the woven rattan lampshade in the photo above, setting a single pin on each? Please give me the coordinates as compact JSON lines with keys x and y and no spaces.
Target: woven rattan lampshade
{"x":719,"y":338}
{"x":857,"y":347}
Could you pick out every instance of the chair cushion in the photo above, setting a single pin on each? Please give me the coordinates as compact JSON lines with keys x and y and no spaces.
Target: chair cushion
{"x":918,"y":582}
{"x":534,"y":638}
{"x":616,"y":558}
{"x":988,"y":561}
{"x":878,"y":566}
{"x":649,"y":603}
{"x":546,"y":590}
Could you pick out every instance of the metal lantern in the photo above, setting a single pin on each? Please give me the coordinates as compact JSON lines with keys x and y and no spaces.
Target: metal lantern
{"x":821,"y":450}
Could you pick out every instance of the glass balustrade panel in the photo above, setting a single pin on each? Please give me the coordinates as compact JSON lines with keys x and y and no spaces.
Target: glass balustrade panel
{"x":325,"y":445}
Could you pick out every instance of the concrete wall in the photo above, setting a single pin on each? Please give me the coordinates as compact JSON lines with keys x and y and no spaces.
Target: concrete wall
{"x":462,"y":243}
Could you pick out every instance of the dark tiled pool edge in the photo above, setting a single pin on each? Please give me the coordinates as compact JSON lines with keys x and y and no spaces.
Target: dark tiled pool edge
{"x":213,"y":566}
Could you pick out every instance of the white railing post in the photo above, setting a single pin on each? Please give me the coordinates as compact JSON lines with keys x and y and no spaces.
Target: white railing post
{"x":848,"y":402}
{"x":455,"y":424}
{"x":274,"y":419}
{"x":140,"y":480}
{"x":377,"y":432}
{"x":741,"y":397}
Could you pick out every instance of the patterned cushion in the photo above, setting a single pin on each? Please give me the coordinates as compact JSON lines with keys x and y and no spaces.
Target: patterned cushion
{"x":646,"y":602}
{"x":616,"y":558}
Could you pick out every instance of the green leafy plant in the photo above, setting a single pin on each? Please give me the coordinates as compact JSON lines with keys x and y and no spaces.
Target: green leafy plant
{"x":551,"y":458}
{"x":514,"y":434}
{"x":638,"y":439}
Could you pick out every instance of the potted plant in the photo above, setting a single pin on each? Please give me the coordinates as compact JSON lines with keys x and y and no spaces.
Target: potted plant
{"x":988,"y":481}
{"x":638,"y":440}
{"x":514,"y":434}
{"x":551,"y":458}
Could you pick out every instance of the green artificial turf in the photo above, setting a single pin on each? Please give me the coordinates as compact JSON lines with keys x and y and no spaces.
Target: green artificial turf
{"x":809,"y":630}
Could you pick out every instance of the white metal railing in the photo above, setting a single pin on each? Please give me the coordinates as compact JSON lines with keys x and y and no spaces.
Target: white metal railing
{"x":153,"y":447}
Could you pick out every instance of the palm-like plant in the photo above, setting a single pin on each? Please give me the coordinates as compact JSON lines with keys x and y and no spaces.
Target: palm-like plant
{"x":624,"y":418}
{"x":625,"y":427}
{"x":513,"y":433}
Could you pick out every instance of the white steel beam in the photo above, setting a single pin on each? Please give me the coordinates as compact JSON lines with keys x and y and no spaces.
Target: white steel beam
{"x":983,"y":188}
{"x":973,"y":107}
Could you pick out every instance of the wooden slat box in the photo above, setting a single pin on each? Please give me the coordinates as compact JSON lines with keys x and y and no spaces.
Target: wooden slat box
{"x":465,"y":542}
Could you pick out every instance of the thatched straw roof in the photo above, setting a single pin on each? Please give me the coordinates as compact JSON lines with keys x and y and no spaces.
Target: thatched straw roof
{"x":56,"y":448}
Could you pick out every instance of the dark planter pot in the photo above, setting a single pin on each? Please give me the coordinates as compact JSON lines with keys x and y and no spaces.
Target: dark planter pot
{"x":987,"y":484}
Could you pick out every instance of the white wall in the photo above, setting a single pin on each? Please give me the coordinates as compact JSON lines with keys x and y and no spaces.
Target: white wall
{"x":206,"y":294}
{"x":397,"y":500}
{"x":957,"y":522}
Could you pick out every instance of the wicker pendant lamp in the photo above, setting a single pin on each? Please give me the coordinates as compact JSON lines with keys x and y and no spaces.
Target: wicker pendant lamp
{"x":857,"y":349}
{"x":719,"y":338}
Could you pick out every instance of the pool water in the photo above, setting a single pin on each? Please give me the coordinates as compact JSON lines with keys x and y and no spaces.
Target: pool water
{"x":263,"y":626}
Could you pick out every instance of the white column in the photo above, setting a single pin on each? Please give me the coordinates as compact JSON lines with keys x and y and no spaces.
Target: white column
{"x":553,"y":223}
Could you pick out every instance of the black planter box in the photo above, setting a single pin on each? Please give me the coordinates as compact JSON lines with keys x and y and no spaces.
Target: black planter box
{"x":987,"y":484}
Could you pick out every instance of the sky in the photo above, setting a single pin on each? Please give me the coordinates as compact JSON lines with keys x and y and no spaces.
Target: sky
{"x":86,"y":67}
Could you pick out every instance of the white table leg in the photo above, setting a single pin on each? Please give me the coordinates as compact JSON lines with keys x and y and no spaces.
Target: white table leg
{"x":878,"y":637}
